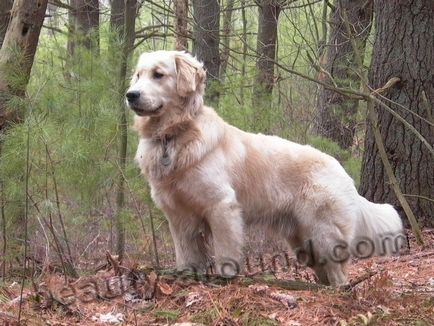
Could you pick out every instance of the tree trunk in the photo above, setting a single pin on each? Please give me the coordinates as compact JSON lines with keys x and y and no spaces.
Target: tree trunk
{"x":123,"y":17}
{"x":227,"y":27}
{"x":269,"y":11}
{"x":84,"y":25}
{"x":245,"y":48}
{"x":337,"y":113}
{"x":266,"y":45}
{"x":404,"y":48}
{"x":206,"y":38}
{"x":5,"y":14}
{"x":17,"y":53}
{"x":181,"y":20}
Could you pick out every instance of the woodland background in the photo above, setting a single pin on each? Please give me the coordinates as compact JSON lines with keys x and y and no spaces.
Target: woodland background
{"x":352,"y":78}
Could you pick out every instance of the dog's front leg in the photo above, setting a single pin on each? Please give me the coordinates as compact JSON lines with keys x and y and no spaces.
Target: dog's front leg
{"x":190,"y":248}
{"x":226,"y":225}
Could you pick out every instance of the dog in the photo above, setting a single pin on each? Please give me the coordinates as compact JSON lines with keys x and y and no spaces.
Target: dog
{"x":210,"y":178}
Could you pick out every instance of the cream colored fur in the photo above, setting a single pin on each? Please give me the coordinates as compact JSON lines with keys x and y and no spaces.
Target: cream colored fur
{"x":220,"y":178}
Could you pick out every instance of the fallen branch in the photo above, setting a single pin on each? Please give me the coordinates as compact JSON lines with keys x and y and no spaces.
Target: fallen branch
{"x":372,"y":115}
{"x":293,"y":285}
{"x":373,"y":118}
{"x":219,"y":280}
{"x":359,"y":280}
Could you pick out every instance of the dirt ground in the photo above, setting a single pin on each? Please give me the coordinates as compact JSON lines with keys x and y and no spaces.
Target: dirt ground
{"x":385,"y":291}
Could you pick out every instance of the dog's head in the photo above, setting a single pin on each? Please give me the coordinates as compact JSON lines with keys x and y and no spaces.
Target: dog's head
{"x":165,"y":80}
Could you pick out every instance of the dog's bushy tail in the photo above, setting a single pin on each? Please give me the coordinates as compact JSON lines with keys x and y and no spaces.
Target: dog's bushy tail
{"x":378,"y":225}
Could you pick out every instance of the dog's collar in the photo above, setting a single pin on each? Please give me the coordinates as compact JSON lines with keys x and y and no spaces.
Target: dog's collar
{"x":164,"y":141}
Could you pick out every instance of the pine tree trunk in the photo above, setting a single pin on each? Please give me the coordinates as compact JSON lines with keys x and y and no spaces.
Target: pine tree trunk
{"x":337,"y":113}
{"x":84,"y":25}
{"x":269,"y":11}
{"x":17,"y":53}
{"x":206,"y":40}
{"x":5,"y":14}
{"x":181,"y":20}
{"x":123,"y":17}
{"x":266,"y":44}
{"x":88,"y":23}
{"x":227,"y":28}
{"x":404,"y":48}
{"x":244,"y":40}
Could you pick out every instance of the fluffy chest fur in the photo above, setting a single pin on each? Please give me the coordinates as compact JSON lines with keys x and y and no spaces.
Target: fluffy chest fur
{"x":156,"y":158}
{"x":165,"y":154}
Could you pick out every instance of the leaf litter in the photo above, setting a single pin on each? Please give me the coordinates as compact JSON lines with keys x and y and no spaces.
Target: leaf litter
{"x":399,"y":292}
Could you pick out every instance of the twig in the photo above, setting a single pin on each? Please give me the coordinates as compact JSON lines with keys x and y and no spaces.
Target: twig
{"x":26,"y":217}
{"x":372,"y":115}
{"x":113,"y":262}
{"x":60,"y":4}
{"x":3,"y":221}
{"x":54,"y":29}
{"x":71,"y":267}
{"x":57,"y":245}
{"x":154,"y":238}
{"x":420,"y":197}
{"x":428,"y":109}
{"x":358,"y":280}
{"x":391,"y":83}
{"x":405,"y":122}
{"x":89,"y":244}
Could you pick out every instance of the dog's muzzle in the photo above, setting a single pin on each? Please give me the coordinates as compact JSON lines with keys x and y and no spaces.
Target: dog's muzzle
{"x":140,"y":108}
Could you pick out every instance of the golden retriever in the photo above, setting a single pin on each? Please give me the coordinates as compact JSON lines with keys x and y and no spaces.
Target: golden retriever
{"x":208,"y":176}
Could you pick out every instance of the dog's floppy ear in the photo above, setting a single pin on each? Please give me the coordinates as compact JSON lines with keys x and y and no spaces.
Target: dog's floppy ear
{"x":189,"y":75}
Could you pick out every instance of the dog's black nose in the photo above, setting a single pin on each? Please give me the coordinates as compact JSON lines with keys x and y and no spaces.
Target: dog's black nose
{"x":132,"y":96}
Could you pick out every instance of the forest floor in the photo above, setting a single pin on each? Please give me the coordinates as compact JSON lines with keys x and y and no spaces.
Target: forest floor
{"x":386,"y":291}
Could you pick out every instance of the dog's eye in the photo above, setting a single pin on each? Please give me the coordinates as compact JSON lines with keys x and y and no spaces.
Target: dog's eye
{"x":157,"y":75}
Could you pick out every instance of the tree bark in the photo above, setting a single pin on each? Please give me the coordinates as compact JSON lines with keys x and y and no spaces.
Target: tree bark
{"x":206,"y":40}
{"x":404,"y":48}
{"x":17,"y":53}
{"x":5,"y":14}
{"x":269,"y":11}
{"x":227,"y":27}
{"x":84,"y":25}
{"x":123,"y":17}
{"x":181,"y":20}
{"x":245,"y":48}
{"x":266,"y":45}
{"x":337,"y":113}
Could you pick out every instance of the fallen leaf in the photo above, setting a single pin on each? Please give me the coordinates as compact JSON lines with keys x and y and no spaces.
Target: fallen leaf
{"x":272,"y":316}
{"x":165,"y":288}
{"x":258,"y":288}
{"x":109,"y":318}
{"x":286,"y":299}
{"x":152,"y":277}
{"x":192,"y":298}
